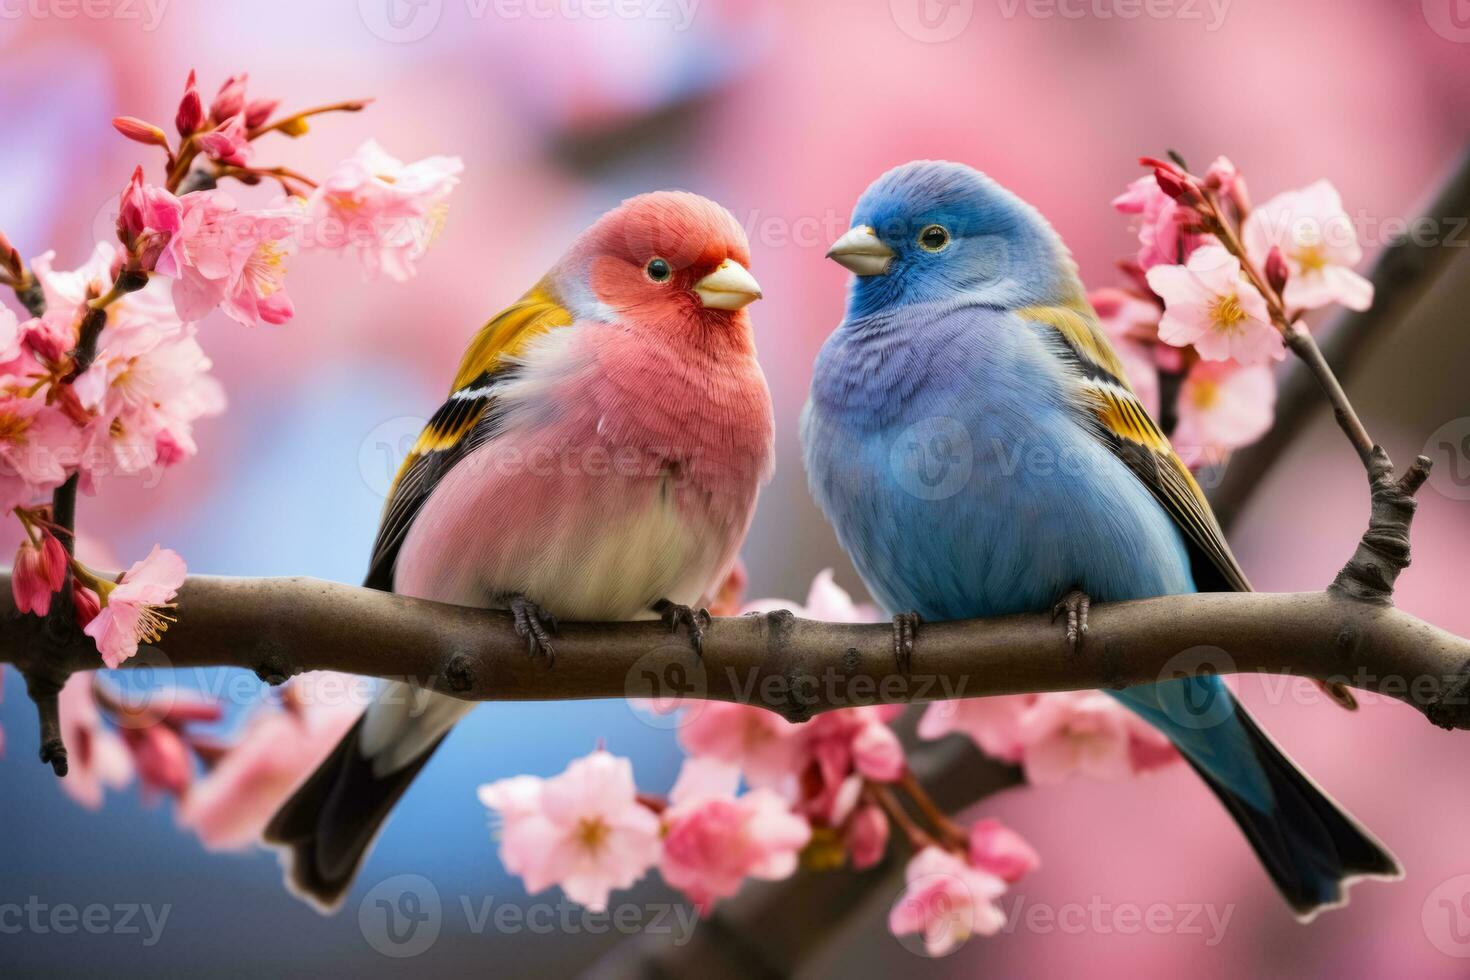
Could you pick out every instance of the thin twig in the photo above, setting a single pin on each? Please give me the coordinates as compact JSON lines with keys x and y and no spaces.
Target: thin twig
{"x":56,"y":642}
{"x":1401,"y":275}
{"x":949,"y":831}
{"x":286,"y":122}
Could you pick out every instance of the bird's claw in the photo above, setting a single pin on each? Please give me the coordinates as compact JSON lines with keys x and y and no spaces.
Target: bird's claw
{"x":905,"y":631}
{"x":536,"y":626}
{"x":1075,"y":604}
{"x":694,"y":620}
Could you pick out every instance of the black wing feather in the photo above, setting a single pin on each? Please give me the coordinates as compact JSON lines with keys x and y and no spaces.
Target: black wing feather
{"x":464,"y":422}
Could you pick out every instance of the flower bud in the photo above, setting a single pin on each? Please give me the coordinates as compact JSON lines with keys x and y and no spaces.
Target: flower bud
{"x":231,"y":99}
{"x":1221,"y":176}
{"x":257,"y":112}
{"x":1277,"y":271}
{"x":162,"y":758}
{"x":1173,"y":185}
{"x":147,"y":218}
{"x":84,"y":603}
{"x":997,"y":849}
{"x":140,"y":132}
{"x":867,"y":836}
{"x":878,"y":754}
{"x":10,"y":258}
{"x":39,"y":572}
{"x":191,"y":109}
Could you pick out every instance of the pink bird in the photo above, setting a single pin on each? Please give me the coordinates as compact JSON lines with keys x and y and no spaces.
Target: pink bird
{"x":598,"y":458}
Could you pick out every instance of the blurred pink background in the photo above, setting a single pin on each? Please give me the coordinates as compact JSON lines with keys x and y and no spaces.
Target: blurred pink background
{"x":782,"y":111}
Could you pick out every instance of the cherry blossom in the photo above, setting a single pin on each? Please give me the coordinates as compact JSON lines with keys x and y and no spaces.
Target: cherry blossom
{"x":767,"y":748}
{"x":946,"y":902}
{"x":135,"y":610}
{"x":48,"y":338}
{"x":146,"y":388}
{"x":385,"y":209}
{"x":97,"y":759}
{"x":10,"y":338}
{"x":583,"y":830}
{"x":1318,"y":241}
{"x":230,"y":805}
{"x":1222,"y":406}
{"x":147,"y":218}
{"x":232,"y":259}
{"x":714,"y":840}
{"x":228,"y":143}
{"x":67,"y":293}
{"x":37,"y":445}
{"x":1054,"y":735}
{"x":1087,"y":735}
{"x":1207,"y":303}
{"x":994,"y":724}
{"x":1001,"y":851}
{"x":1165,"y":228}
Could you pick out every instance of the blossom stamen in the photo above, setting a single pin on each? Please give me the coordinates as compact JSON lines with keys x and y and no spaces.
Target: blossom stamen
{"x":1227,"y":315}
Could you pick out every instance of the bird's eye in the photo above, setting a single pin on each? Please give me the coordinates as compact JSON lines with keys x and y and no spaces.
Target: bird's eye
{"x":934,"y":239}
{"x":659,"y":270}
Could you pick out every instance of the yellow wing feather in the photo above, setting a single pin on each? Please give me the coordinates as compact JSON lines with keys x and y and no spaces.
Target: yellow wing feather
{"x":1077,"y":324}
{"x":506,"y":334}
{"x":1135,"y":437}
{"x":509,"y":332}
{"x":450,"y":433}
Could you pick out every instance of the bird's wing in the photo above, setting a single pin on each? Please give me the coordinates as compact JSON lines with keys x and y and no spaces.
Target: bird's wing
{"x":1127,"y":429}
{"x":465,"y":420}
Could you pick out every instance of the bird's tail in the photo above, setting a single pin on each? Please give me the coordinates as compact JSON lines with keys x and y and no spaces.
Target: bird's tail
{"x":327,"y":827}
{"x":1312,"y":848}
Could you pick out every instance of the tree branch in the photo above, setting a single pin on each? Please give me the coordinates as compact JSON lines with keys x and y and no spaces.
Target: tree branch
{"x":797,"y":667}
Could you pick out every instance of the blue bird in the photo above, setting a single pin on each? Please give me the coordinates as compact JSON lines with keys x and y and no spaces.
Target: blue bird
{"x":974,"y":442}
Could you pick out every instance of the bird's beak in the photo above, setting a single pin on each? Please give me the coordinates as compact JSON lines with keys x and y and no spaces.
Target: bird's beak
{"x":860,"y":252}
{"x":730,"y":287}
